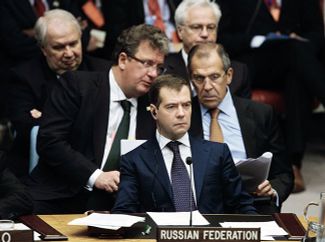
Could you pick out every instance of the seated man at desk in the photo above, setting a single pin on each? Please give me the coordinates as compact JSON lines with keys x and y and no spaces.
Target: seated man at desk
{"x":155,"y":177}
{"x":248,"y":128}
{"x":14,"y":198}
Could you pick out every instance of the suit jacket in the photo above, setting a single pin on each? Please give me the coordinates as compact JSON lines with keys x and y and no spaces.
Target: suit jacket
{"x":73,"y":132}
{"x":145,"y":184}
{"x":300,"y":16}
{"x":120,"y":15}
{"x":239,"y":86}
{"x":31,"y":84}
{"x":14,"y":198}
{"x":260,"y":133}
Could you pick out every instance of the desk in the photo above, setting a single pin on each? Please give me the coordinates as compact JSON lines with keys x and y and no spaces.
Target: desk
{"x":79,"y":233}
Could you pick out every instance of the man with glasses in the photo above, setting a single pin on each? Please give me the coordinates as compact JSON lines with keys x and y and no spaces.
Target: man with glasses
{"x":197,"y":22}
{"x":247,"y":127}
{"x":85,"y":118}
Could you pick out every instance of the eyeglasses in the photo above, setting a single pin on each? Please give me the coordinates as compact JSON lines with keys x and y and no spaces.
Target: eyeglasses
{"x":198,"y":28}
{"x":150,"y":65}
{"x":214,"y":78}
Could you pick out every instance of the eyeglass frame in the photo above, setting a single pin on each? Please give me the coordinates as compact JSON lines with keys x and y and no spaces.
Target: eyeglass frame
{"x":149,"y":64}
{"x":210,"y":77}
{"x":198,"y":28}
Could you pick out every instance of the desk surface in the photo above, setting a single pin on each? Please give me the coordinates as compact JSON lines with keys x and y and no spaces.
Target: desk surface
{"x":79,"y":233}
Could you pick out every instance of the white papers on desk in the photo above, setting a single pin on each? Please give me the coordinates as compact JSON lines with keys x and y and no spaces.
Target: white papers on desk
{"x":254,"y":171}
{"x":268,"y":229}
{"x":178,"y":218}
{"x":107,"y":221}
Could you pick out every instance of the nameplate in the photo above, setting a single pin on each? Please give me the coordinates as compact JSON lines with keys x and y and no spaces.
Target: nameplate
{"x":16,"y":236}
{"x":186,"y":233}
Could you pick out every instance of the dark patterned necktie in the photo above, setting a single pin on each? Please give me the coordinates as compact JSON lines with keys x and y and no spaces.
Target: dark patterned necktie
{"x":112,"y":162}
{"x":180,"y":181}
{"x":39,"y":8}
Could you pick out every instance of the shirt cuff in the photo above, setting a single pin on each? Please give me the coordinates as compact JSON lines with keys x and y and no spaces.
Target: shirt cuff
{"x":92,"y":179}
{"x":277,"y":199}
{"x":257,"y":41}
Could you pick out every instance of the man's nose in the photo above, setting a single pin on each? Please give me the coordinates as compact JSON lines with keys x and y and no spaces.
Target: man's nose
{"x":68,"y":51}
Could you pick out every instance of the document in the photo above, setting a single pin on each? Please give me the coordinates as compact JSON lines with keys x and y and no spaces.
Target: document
{"x":107,"y":221}
{"x":269,"y":229}
{"x":254,"y":171}
{"x":178,"y":218}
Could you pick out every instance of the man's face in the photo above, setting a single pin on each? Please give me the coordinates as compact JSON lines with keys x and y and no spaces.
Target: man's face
{"x":138,"y":72}
{"x":199,"y":27}
{"x":210,"y":80}
{"x":63,"y":49}
{"x":173,"y":115}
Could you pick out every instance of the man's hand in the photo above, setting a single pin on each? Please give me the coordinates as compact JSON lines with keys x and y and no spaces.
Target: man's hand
{"x":108,"y":181}
{"x":265,"y":189}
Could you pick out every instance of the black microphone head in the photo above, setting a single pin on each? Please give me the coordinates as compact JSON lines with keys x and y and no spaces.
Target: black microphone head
{"x":189,"y":161}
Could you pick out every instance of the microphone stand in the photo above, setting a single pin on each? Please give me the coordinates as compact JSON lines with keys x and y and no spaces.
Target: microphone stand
{"x":189,"y":162}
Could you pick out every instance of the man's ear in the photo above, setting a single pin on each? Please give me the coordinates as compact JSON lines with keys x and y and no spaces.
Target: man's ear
{"x":122,"y":59}
{"x":229,"y":75}
{"x":153,"y":111}
{"x":179,"y":32}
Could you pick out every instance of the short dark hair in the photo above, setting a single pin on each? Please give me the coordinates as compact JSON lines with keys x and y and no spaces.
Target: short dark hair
{"x":168,"y":80}
{"x":204,"y":50}
{"x":130,"y":39}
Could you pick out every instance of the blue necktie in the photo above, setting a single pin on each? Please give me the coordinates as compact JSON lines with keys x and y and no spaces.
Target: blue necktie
{"x":180,"y":181}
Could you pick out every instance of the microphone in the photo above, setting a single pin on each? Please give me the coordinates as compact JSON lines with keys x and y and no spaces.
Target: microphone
{"x":189,"y":162}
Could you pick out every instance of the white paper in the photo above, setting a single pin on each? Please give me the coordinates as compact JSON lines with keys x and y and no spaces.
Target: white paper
{"x":128,"y":145}
{"x":178,"y":218}
{"x":108,"y":221}
{"x":268,"y":229}
{"x":254,"y":171}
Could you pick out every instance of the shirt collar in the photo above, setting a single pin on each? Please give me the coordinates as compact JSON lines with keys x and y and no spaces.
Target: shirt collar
{"x":185,"y":56}
{"x":116,"y":93}
{"x":226,"y":106}
{"x":163,"y":141}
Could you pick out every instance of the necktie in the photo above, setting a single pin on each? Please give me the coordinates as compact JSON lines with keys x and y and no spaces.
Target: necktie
{"x":154,"y":10}
{"x":93,"y":13}
{"x":180,"y":181}
{"x":39,"y":8}
{"x":112,"y":162}
{"x":215,"y":129}
{"x":274,"y":9}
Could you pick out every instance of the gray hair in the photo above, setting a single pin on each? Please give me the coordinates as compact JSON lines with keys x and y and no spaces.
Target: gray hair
{"x":55,"y":15}
{"x":130,"y":39}
{"x":185,"y":5}
{"x":204,"y":50}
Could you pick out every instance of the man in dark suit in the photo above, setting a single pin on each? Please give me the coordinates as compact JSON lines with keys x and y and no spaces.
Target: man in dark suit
{"x":197,"y":22}
{"x":82,"y":125}
{"x":249,"y":128}
{"x":154,"y":176}
{"x":281,"y":44}
{"x":14,"y":198}
{"x":32,"y":81}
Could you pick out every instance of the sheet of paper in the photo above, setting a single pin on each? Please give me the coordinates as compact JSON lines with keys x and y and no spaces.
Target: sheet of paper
{"x":268,"y":229}
{"x":109,"y":221}
{"x":178,"y":218}
{"x":254,"y":171}
{"x":128,"y":145}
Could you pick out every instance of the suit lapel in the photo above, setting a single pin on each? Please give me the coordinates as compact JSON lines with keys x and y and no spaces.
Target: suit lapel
{"x":200,"y":157}
{"x":196,"y":128}
{"x":154,"y":160}
{"x":101,"y":114}
{"x":247,"y":126}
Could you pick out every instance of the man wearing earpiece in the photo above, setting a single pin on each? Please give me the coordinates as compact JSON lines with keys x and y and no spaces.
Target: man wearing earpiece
{"x":154,"y":176}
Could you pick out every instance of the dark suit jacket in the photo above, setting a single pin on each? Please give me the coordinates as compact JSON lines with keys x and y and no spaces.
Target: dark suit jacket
{"x":145,"y":184}
{"x":14,"y":198}
{"x":239,"y":86}
{"x":260,"y":133}
{"x":31,"y":84}
{"x":73,"y":132}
